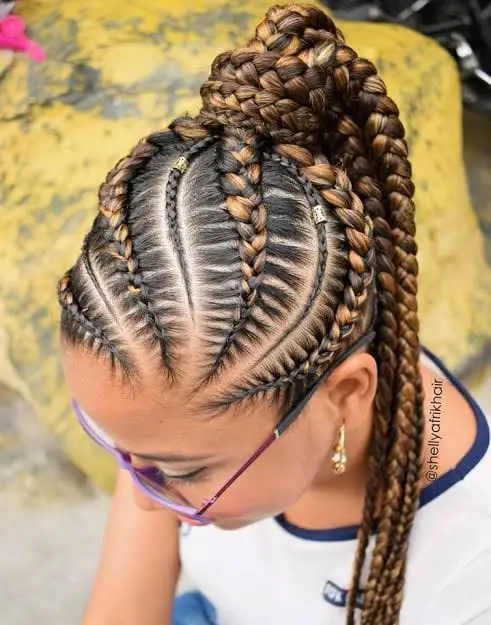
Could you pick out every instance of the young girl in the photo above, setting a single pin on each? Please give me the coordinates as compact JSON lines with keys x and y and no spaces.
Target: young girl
{"x":241,"y":332}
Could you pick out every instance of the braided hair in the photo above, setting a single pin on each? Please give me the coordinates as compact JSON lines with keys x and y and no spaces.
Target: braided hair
{"x":204,"y":248}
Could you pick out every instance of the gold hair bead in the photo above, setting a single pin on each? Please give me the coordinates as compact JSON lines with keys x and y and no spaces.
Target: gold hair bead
{"x":181,"y":164}
{"x":319,"y":214}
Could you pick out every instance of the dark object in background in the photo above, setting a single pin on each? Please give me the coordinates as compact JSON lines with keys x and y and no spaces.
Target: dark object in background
{"x":463,"y":27}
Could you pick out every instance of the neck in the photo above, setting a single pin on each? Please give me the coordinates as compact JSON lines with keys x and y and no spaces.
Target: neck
{"x":337,"y":500}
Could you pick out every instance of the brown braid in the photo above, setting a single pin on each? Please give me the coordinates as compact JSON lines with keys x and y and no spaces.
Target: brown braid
{"x":341,"y":321}
{"x":350,"y":143}
{"x":384,"y":132}
{"x":315,"y":199}
{"x":112,"y":204}
{"x":113,"y":198}
{"x":67,"y":301}
{"x":240,"y":171}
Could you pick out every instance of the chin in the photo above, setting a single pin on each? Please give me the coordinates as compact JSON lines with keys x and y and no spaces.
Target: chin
{"x":232,"y":524}
{"x":237,"y":523}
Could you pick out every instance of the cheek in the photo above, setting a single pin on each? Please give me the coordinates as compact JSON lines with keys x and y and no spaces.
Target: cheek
{"x":274,"y":483}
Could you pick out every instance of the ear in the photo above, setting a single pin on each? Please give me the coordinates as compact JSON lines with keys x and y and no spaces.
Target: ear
{"x":351,"y":388}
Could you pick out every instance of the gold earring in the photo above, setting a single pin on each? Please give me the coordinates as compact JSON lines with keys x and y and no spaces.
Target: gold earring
{"x":339,"y":456}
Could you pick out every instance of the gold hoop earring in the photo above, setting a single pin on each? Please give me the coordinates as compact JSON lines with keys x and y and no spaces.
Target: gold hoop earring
{"x":339,"y":456}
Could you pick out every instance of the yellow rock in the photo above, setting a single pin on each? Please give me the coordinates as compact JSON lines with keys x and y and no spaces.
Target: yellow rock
{"x":115,"y":71}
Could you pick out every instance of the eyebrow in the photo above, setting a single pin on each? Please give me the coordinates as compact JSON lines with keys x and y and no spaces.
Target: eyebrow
{"x":170,"y":458}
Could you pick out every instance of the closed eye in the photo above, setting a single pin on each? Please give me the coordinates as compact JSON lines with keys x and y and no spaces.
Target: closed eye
{"x":191,"y":477}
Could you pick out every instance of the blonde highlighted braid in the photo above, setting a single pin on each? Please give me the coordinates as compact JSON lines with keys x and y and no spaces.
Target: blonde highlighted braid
{"x":292,"y":121}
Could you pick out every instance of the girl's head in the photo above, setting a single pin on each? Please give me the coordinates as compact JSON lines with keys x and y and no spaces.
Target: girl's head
{"x":237,"y":255}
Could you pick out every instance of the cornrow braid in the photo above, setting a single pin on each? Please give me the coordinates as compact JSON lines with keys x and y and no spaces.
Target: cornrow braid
{"x":315,"y":199}
{"x":113,"y":200}
{"x":335,"y":188}
{"x":239,"y":166}
{"x":96,"y":336}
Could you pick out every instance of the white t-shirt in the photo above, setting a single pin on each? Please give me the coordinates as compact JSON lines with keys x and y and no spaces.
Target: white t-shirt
{"x":273,"y":573}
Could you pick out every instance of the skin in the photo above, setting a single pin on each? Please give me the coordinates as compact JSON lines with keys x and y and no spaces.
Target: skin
{"x":293,"y":476}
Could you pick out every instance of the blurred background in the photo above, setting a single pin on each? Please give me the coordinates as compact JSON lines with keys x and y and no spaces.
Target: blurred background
{"x":80,"y":82}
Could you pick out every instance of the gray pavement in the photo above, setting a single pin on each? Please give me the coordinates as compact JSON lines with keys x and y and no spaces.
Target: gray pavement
{"x":51,"y":525}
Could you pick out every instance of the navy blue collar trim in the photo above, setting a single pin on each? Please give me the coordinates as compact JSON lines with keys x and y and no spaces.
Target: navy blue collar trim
{"x":430,"y":492}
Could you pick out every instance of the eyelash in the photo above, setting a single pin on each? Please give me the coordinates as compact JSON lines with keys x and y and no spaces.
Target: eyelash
{"x":190,"y":478}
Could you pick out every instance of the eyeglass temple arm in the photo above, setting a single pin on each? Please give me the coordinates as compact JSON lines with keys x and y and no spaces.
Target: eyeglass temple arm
{"x":252,"y":459}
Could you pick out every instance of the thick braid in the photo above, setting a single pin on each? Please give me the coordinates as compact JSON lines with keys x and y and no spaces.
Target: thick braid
{"x":384,"y":591}
{"x":361,"y":172}
{"x":384,"y":133}
{"x":239,"y":165}
{"x":347,"y":141}
{"x":113,"y":201}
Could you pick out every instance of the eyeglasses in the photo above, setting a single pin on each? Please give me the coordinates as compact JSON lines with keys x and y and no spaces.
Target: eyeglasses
{"x":153,"y":484}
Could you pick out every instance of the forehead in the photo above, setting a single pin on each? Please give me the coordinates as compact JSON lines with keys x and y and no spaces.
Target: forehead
{"x":145,"y":416}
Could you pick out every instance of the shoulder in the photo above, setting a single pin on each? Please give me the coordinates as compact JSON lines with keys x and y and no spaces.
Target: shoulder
{"x":464,"y":597}
{"x":448,"y":577}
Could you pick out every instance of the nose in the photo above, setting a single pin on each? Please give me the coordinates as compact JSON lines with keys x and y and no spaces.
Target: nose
{"x":144,"y":502}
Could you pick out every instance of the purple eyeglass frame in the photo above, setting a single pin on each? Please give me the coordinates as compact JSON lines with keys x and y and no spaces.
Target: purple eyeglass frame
{"x":196,"y":514}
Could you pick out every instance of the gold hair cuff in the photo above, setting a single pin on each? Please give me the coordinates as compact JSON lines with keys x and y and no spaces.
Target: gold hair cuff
{"x":319,"y":214}
{"x":181,"y":164}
